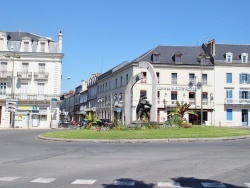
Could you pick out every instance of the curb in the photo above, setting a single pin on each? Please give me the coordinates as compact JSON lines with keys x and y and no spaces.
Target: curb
{"x":144,"y":140}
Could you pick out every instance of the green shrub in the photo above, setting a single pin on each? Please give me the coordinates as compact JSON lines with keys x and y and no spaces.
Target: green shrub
{"x":174,"y":121}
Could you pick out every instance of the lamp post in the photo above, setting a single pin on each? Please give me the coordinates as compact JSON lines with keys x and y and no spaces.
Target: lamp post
{"x":12,"y":55}
{"x":202,"y":58}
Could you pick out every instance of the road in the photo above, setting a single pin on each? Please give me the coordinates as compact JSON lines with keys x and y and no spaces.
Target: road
{"x":28,"y":162}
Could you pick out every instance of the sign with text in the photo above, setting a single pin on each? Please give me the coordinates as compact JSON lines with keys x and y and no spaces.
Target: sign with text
{"x":11,"y":105}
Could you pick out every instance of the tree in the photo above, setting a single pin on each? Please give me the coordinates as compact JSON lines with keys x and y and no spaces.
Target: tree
{"x":92,"y":119}
{"x":182,"y":109}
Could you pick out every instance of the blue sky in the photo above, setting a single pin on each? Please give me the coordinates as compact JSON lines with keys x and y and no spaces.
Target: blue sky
{"x":100,"y":34}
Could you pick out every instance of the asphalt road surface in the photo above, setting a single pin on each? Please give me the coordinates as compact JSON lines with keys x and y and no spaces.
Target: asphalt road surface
{"x":28,"y":162}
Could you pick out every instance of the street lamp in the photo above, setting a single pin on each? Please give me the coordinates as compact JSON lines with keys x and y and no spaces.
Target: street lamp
{"x":12,"y":55}
{"x":202,"y":58}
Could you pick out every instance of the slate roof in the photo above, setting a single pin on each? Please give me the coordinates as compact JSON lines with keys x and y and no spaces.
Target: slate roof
{"x":189,"y":54}
{"x":236,"y":49}
{"x":17,"y":36}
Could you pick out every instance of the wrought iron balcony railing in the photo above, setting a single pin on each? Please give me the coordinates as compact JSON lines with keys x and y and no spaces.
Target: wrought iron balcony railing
{"x":237,"y":101}
{"x":24,"y":75}
{"x":5,"y":74}
{"x":30,"y":97}
{"x":41,"y":76}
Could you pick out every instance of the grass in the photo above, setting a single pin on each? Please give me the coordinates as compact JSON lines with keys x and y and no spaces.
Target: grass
{"x":167,"y":133}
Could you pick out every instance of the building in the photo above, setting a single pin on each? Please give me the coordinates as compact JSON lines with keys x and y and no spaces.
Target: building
{"x":30,"y":80}
{"x":231,"y":83}
{"x":213,"y":78}
{"x":179,"y":76}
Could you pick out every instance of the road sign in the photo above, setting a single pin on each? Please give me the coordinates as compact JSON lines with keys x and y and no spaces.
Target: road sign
{"x":118,"y":110}
{"x":11,"y":105}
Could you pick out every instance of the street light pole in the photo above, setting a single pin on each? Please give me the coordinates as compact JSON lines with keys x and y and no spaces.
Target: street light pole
{"x":12,"y":113}
{"x":201,"y":58}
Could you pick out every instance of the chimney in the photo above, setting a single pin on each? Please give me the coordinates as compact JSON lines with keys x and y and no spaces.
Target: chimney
{"x":60,"y":36}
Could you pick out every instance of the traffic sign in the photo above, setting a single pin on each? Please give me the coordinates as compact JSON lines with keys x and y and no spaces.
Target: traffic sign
{"x":11,"y":105}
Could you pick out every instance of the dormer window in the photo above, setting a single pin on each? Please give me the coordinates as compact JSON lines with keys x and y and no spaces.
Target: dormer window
{"x":26,"y":46}
{"x":156,"y":57}
{"x":42,"y":46}
{"x":229,"y":57}
{"x":244,"y":57}
{"x":177,"y":57}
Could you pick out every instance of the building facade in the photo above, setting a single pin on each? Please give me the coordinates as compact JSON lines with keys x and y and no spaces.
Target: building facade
{"x":213,"y":78}
{"x":30,"y":79}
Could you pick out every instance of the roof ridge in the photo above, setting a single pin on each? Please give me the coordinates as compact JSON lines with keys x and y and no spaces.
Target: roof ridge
{"x":137,"y":59}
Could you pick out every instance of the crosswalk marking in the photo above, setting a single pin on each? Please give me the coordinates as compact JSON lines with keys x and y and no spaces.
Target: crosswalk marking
{"x":169,"y":184}
{"x":213,"y":184}
{"x":124,"y":182}
{"x":8,"y":178}
{"x":43,"y":180}
{"x":84,"y":182}
{"x":247,"y":184}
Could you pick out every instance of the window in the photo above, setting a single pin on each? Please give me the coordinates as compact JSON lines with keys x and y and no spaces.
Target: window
{"x":229,"y":96}
{"x":116,"y":83}
{"x":156,"y":58}
{"x":191,"y":77}
{"x":41,"y":67}
{"x":192,"y":98}
{"x":229,"y":57}
{"x":203,"y":60}
{"x":157,"y":76}
{"x":24,"y":88}
{"x":25,"y":67}
{"x":244,"y":57}
{"x":143,"y":92}
{"x":244,"y":78}
{"x":229,"y":114}
{"x":3,"y":88}
{"x":26,"y":46}
{"x":173,"y":97}
{"x":229,"y":78}
{"x":204,"y":79}
{"x":126,"y":78}
{"x":3,"y":66}
{"x":204,"y":98}
{"x":158,"y":97}
{"x":42,"y":46}
{"x":40,"y":88}
{"x":121,"y":80}
{"x":106,"y":87}
{"x":144,"y":79}
{"x":174,"y":78}
{"x":244,"y":96}
{"x":177,"y":59}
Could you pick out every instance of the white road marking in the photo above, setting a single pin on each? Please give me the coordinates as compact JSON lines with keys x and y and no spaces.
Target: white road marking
{"x":84,"y":182}
{"x":8,"y":178}
{"x":212,"y":184}
{"x":124,"y":182}
{"x":43,"y":180}
{"x":169,"y":184}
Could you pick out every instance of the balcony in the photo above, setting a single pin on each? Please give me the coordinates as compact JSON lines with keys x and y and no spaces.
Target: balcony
{"x":5,"y":74}
{"x":30,"y":97}
{"x":236,"y":101}
{"x":41,"y":76}
{"x":24,"y":76}
{"x":174,"y":81}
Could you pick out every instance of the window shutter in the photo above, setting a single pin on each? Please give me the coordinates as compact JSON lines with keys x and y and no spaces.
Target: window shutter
{"x":248,"y":95}
{"x":248,"y":78}
{"x":240,"y":94}
{"x":240,"y":78}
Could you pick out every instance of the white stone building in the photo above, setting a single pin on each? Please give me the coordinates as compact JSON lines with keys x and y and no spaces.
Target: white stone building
{"x":30,"y":75}
{"x":178,"y":75}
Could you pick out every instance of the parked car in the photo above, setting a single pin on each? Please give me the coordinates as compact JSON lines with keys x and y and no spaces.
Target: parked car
{"x":74,"y":123}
